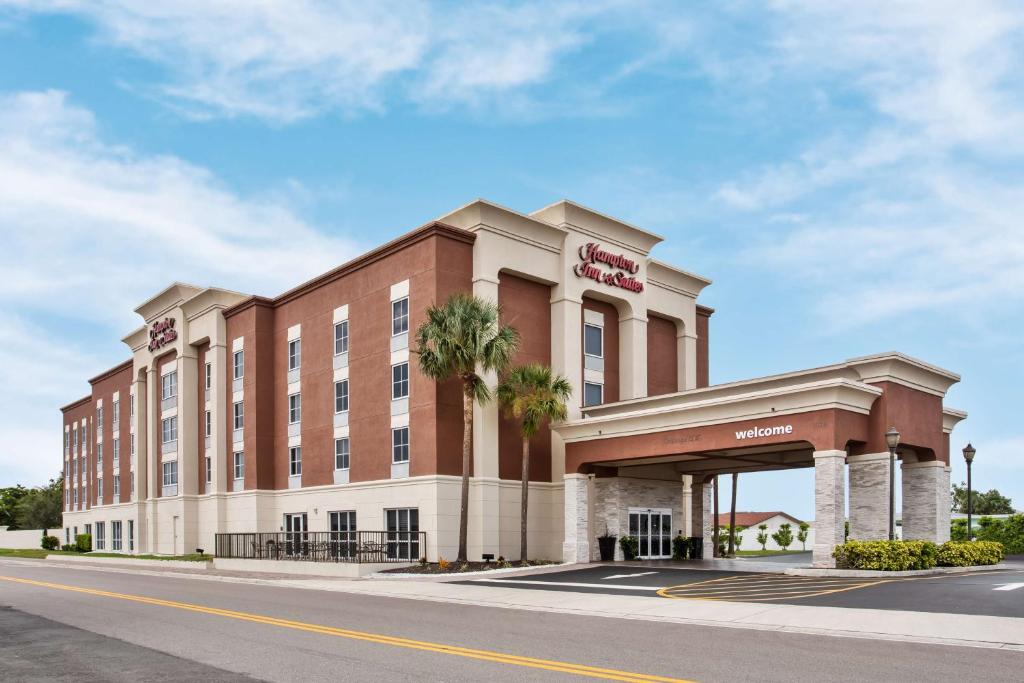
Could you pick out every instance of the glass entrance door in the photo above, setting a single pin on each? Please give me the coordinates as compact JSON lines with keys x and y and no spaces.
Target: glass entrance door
{"x":296,"y":539}
{"x":653,"y":529}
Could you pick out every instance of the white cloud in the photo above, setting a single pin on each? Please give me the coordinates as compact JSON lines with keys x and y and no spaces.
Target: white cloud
{"x":89,"y":230}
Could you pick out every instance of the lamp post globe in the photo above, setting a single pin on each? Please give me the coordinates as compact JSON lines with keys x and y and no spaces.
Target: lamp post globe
{"x":892,"y":439}
{"x":969,"y":452}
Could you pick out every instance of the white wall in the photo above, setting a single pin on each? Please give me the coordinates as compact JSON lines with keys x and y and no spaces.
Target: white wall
{"x":26,"y":538}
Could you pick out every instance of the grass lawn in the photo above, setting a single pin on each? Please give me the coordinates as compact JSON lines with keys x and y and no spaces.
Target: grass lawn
{"x":766,"y":553}
{"x":39,"y":554}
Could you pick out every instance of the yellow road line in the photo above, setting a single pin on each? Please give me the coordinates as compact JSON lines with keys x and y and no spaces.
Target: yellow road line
{"x":483,"y":655}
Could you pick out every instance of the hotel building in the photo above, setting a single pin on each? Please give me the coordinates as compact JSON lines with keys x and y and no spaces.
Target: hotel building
{"x":307,"y":412}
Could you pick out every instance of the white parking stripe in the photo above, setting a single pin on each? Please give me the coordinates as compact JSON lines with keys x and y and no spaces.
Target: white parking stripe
{"x":620,"y":586}
{"x":627,"y":576}
{"x":1009,"y":587}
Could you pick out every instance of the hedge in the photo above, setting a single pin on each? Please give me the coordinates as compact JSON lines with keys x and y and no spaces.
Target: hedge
{"x":50,"y":542}
{"x":83,"y":543}
{"x":888,"y":556}
{"x":969,"y":553}
{"x":1008,"y":531}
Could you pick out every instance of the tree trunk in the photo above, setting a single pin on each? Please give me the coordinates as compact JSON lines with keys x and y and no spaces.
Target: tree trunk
{"x":732,"y":518}
{"x":523,"y":557}
{"x":714,"y":521}
{"x":467,"y":454}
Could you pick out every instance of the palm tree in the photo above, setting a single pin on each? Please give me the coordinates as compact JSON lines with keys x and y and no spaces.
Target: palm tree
{"x":462,"y":338}
{"x":532,"y":393}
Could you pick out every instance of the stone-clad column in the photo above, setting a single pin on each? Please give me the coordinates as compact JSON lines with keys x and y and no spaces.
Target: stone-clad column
{"x":829,"y":505}
{"x":576,"y":547}
{"x":926,"y":501}
{"x":869,"y":496}
{"x":700,"y":514}
{"x":686,"y":523}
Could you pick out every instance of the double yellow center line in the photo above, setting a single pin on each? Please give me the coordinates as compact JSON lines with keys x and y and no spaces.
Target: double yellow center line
{"x":440,"y":648}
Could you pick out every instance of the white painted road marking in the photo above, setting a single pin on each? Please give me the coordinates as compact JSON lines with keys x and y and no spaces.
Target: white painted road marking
{"x":1009,"y":587}
{"x":627,"y":576}
{"x":620,"y":586}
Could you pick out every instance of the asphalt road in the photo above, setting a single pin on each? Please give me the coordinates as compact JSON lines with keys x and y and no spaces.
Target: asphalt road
{"x":102,"y":626}
{"x":993,"y":593}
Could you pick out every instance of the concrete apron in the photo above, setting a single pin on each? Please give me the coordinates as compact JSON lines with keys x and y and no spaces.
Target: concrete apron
{"x":875,"y":574}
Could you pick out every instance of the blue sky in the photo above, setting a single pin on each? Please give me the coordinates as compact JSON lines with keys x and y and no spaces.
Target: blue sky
{"x":851,"y":178}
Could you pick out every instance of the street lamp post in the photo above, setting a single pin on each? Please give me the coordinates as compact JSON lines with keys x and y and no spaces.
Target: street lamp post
{"x":969,"y":452}
{"x":892,"y":438}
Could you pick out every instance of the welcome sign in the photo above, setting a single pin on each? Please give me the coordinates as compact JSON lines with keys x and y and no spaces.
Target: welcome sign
{"x":756,"y":432}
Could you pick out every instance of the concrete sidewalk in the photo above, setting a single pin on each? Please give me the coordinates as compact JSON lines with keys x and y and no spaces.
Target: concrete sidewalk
{"x":936,"y":628}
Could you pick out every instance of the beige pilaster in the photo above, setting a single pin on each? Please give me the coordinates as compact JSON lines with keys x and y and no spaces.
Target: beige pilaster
{"x":632,"y":356}
{"x":485,"y":519}
{"x":686,"y":371}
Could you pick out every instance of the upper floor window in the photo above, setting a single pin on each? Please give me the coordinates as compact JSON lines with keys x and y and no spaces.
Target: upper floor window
{"x":117,"y":450}
{"x":169,"y":429}
{"x":593,"y":340}
{"x":99,"y":454}
{"x":400,"y":316}
{"x":74,"y":436}
{"x":400,"y":445}
{"x":67,"y":440}
{"x":238,"y":363}
{"x":99,"y":417}
{"x":238,"y":412}
{"x":117,"y":412}
{"x":131,"y":405}
{"x":85,"y":434}
{"x":294,"y":354}
{"x":239,"y":464}
{"x":399,"y":381}
{"x":294,"y":408}
{"x":117,"y":487}
{"x":341,"y":396}
{"x":341,"y":337}
{"x":209,"y":423}
{"x":341,"y":453}
{"x":169,"y":385}
{"x":593,"y":394}
{"x":295,"y":461}
{"x":208,"y":381}
{"x":170,"y":473}
{"x":209,"y":469}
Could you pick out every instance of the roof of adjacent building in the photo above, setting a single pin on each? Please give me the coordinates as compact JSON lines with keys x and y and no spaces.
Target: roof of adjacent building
{"x":748,"y":519}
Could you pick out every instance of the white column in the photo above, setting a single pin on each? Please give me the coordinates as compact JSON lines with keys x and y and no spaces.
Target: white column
{"x":829,"y":505}
{"x":869,"y":496}
{"x":566,"y":360}
{"x":926,"y":501}
{"x":576,"y":547}
{"x":152,"y":470}
{"x":188,"y":423}
{"x":217,"y":356}
{"x":686,"y":370}
{"x":632,"y":357}
{"x":686,"y":523}
{"x":485,"y":515}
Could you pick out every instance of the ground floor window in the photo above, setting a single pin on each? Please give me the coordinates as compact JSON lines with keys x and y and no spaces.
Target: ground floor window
{"x":131,"y":535}
{"x":343,"y":533}
{"x":115,"y":535}
{"x":67,"y":536}
{"x":99,"y":540}
{"x":403,"y":525}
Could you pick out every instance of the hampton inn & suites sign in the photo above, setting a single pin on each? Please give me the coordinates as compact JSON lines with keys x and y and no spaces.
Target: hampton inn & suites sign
{"x":622,"y":268}
{"x":162,"y":333}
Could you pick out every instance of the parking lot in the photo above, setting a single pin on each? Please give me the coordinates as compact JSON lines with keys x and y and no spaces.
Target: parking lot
{"x":994,"y":593}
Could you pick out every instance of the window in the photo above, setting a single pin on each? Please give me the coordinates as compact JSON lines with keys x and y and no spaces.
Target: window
{"x":171,"y":473}
{"x":294,"y":408}
{"x":117,"y":451}
{"x":99,"y":454}
{"x":399,"y":381}
{"x":341,"y":337}
{"x":131,"y":535}
{"x":400,"y":445}
{"x":295,"y":461}
{"x":209,"y":469}
{"x":403,"y":527}
{"x":99,"y":417}
{"x":593,"y":340}
{"x":238,"y":362}
{"x":99,"y":492}
{"x":131,"y":405}
{"x":169,"y":429}
{"x":343,"y":533}
{"x":117,"y":487}
{"x":115,"y":535}
{"x":592,"y":394}
{"x":400,"y":316}
{"x":341,"y":396}
{"x":131,"y":444}
{"x":75,"y":463}
{"x":74,"y":436}
{"x":294,"y":354}
{"x":75,"y":492}
{"x":239,"y":415}
{"x":239,"y":458}
{"x":67,"y":440}
{"x":208,"y":383}
{"x":209,"y":423}
{"x":85,"y":434}
{"x":169,"y":385}
{"x":341,"y":454}
{"x":117,"y":412}
{"x":99,"y":539}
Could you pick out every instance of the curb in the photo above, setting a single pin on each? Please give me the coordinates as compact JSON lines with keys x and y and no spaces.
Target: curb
{"x":872,"y":573}
{"x":117,"y":562}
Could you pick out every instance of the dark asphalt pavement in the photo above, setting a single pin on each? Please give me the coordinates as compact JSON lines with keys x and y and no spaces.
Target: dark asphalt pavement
{"x":127,"y":628}
{"x":974,"y":593}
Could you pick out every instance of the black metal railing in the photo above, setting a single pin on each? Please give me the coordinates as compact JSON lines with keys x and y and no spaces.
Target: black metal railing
{"x":363,"y":547}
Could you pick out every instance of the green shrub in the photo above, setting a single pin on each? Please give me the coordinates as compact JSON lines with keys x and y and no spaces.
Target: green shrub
{"x":83,"y":543}
{"x":888,"y":556}
{"x":50,"y":542}
{"x":67,"y":547}
{"x":630,"y":547}
{"x":969,"y":553}
{"x":679,"y":545}
{"x":958,"y":530}
{"x":1008,"y":531}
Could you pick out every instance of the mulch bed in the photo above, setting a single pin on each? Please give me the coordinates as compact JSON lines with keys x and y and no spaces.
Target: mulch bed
{"x":459,"y":567}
